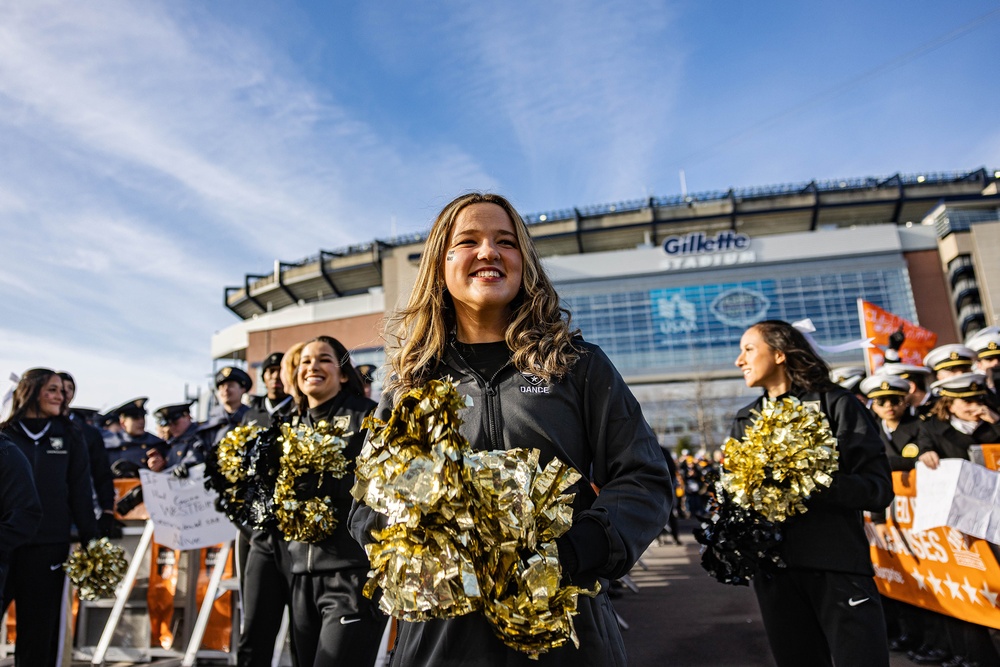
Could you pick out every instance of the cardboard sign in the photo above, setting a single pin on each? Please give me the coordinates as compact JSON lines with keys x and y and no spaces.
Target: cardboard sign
{"x":183,"y":511}
{"x":959,"y":495}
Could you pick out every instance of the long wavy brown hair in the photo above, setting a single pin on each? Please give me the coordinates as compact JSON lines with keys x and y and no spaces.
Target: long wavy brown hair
{"x":27,"y":393}
{"x":538,"y":332}
{"x":806,"y":370}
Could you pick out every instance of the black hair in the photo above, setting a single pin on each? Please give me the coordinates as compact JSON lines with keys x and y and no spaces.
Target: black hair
{"x":806,"y":370}
{"x":26,"y":394}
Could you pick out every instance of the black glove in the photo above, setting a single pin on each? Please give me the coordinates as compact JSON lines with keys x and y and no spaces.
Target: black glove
{"x":896,"y":339}
{"x":180,"y":471}
{"x":125,"y":469}
{"x":110,"y":527}
{"x":129,"y":501}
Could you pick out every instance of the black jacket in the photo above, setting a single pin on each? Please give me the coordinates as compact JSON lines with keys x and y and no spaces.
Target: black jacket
{"x":20,"y":508}
{"x":339,"y":551}
{"x":903,"y":447}
{"x":61,"y":470}
{"x":591,"y":421}
{"x":950,"y":443}
{"x":258,"y":413}
{"x":830,"y":535}
{"x":100,"y":468}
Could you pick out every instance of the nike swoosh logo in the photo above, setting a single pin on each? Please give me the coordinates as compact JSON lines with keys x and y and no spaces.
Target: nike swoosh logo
{"x":346,"y":621}
{"x":855,"y":603}
{"x":55,"y":567}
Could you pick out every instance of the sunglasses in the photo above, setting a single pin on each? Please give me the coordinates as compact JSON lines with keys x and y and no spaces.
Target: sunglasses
{"x":889,"y":400}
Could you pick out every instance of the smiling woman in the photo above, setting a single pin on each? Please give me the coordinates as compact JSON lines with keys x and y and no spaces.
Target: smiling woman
{"x":61,"y":472}
{"x":483,"y":313}
{"x":823,"y":608}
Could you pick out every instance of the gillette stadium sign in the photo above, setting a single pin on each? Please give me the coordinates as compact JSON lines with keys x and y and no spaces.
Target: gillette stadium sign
{"x":698,"y":250}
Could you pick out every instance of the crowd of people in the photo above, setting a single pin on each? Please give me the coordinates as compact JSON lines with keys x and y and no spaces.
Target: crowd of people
{"x":484,"y":313}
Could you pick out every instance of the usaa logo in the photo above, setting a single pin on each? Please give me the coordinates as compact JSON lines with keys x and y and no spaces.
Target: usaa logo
{"x":538,"y":385}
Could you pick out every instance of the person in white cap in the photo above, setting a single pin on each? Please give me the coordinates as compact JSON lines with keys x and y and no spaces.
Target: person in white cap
{"x":919,"y":399}
{"x":960,"y":419}
{"x":899,"y":429}
{"x":849,"y":377}
{"x":986,"y":344}
{"x":948,"y":360}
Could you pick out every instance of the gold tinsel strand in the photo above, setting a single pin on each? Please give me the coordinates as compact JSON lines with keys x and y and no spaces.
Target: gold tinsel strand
{"x":466,"y":531}
{"x":97,"y":569}
{"x":229,"y":454}
{"x":318,"y":452}
{"x":786,"y":454}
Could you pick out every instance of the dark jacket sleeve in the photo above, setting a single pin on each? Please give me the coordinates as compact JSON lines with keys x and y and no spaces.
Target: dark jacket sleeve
{"x":100,"y":468}
{"x":363,"y":520}
{"x":81,"y":490}
{"x":635,"y":487}
{"x":20,"y":508}
{"x":863,"y":480}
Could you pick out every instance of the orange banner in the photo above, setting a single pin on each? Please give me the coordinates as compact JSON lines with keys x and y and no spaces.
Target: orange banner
{"x":941,"y":569}
{"x":879,"y":324}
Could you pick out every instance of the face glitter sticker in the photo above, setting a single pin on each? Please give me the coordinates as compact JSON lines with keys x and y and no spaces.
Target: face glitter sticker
{"x":451,"y":256}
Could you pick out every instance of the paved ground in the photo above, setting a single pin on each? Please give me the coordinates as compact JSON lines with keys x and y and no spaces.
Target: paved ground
{"x":680,"y":616}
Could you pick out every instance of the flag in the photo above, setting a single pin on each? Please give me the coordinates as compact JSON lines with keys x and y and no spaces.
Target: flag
{"x":879,"y":324}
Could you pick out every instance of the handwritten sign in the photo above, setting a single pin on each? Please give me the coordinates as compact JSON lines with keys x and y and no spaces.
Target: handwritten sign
{"x":183,"y":511}
{"x":960,"y":495}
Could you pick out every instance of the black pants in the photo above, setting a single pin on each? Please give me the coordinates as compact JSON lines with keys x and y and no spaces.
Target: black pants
{"x":333,"y":623}
{"x":821,"y":618}
{"x":36,"y":582}
{"x":267,"y":584}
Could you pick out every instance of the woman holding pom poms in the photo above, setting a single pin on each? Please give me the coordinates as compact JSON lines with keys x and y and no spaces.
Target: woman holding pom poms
{"x":332,"y":622}
{"x":483,"y":313}
{"x":823,"y":607}
{"x":61,"y":470}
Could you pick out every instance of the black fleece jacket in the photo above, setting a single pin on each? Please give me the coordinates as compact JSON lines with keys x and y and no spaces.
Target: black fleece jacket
{"x":830,"y":535}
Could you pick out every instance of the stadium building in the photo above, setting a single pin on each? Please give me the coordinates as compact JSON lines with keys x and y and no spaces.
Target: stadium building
{"x":666,"y":285}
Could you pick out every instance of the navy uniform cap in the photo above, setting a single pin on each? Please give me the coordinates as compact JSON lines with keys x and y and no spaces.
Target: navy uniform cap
{"x":986,"y":343}
{"x":168,"y":413}
{"x":949,"y":356}
{"x":272,"y":360}
{"x":367,"y":372}
{"x":966,"y":385}
{"x":882,"y":384}
{"x":848,"y":377}
{"x":134,"y":408}
{"x":905,"y":371}
{"x":232,"y":373}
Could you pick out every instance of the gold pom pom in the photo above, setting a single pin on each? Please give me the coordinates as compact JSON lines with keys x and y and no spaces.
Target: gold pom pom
{"x":466,"y":531}
{"x":309,"y":457}
{"x":786,"y":454}
{"x":97,"y":569}
{"x":230,"y":454}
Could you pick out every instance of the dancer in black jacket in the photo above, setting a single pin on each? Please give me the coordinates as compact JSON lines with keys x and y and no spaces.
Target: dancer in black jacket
{"x":483,"y":312}
{"x":61,"y":470}
{"x":823,"y":609}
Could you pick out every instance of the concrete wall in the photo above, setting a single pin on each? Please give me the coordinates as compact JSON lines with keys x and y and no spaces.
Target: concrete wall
{"x":986,"y":258}
{"x":931,"y":294}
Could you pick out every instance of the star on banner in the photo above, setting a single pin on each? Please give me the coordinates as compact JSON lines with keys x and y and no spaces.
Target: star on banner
{"x":935,"y":584}
{"x":953,"y":587}
{"x":970,"y":590}
{"x":915,"y":573}
{"x":988,"y":594}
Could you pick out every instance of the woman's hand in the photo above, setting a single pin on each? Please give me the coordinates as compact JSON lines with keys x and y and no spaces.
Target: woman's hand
{"x":930,"y":459}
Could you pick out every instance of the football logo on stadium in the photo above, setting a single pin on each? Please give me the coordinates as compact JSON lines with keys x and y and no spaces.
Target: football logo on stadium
{"x":740,"y":307}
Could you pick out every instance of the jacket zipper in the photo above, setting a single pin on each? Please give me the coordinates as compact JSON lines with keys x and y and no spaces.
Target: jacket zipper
{"x":492,"y":409}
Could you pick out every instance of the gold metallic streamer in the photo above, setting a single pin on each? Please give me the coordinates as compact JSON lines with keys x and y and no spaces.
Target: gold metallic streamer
{"x":97,"y":569}
{"x":784,"y":457}
{"x":229,"y":454}
{"x":309,"y":456}
{"x":465,"y":530}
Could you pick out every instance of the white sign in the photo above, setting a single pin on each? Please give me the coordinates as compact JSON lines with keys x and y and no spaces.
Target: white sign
{"x":961,"y":495}
{"x":183,"y":511}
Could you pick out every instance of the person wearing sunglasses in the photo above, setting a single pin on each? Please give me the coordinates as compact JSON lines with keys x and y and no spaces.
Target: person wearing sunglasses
{"x":899,"y":429}
{"x":960,"y":419}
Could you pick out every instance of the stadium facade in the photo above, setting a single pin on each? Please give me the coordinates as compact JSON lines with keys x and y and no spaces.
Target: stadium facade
{"x":666,"y":286}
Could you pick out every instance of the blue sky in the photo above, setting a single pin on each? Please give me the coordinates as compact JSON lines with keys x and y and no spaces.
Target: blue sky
{"x":152,"y":153}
